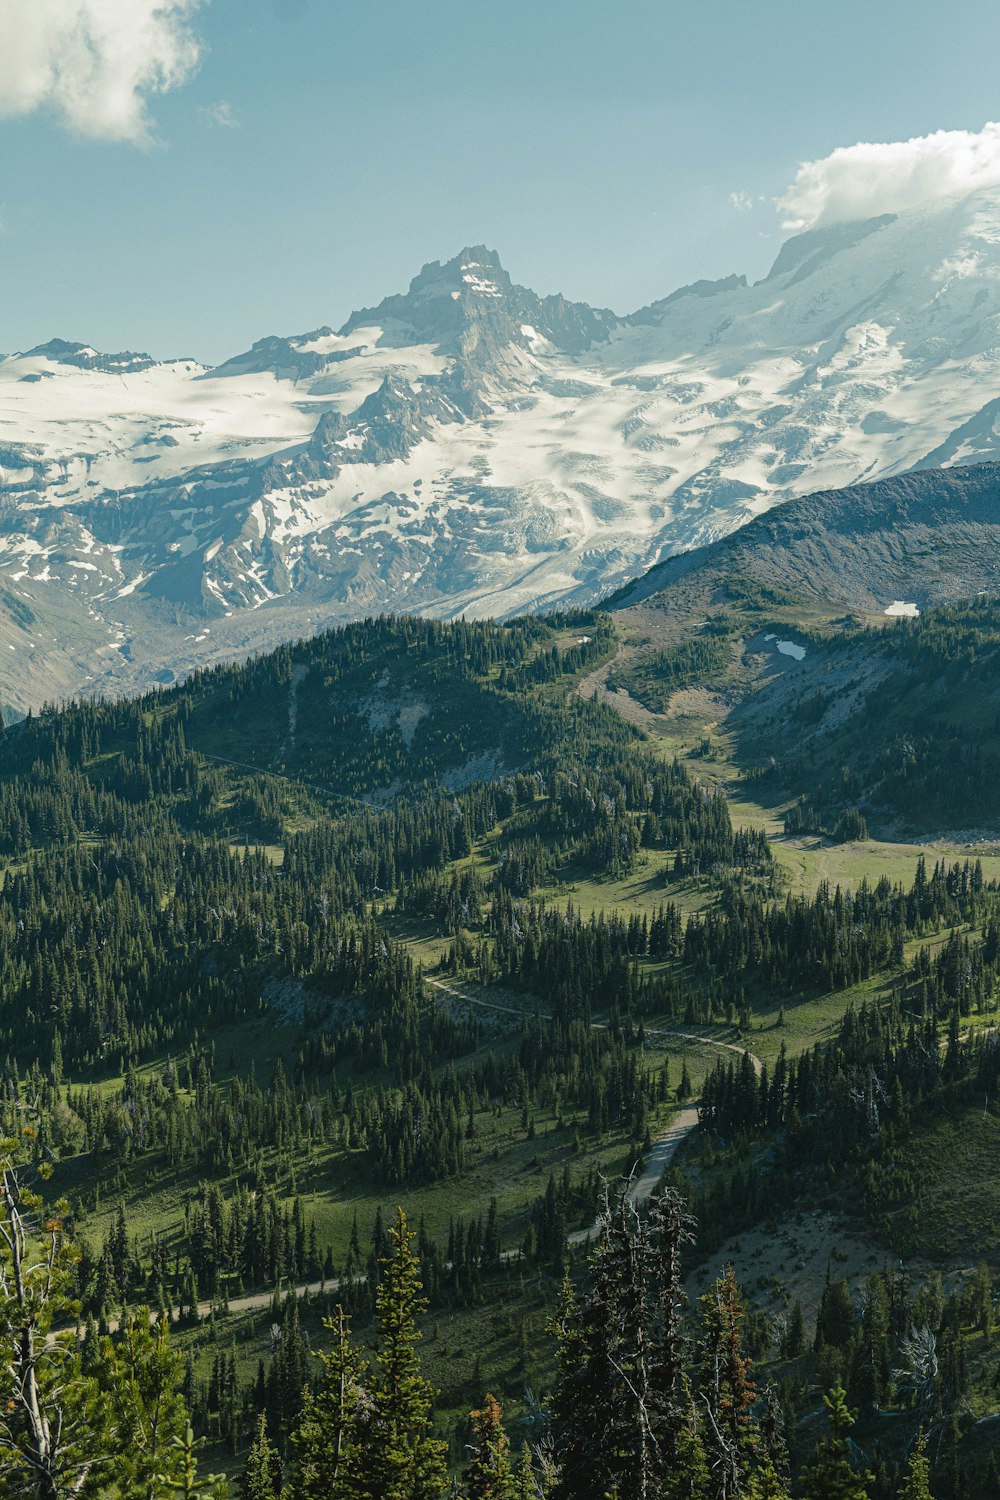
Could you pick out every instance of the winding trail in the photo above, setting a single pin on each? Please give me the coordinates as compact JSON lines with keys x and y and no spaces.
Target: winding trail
{"x":667,"y":1144}
{"x":644,"y":1183}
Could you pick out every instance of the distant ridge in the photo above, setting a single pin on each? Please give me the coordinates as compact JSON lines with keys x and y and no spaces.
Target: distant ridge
{"x":930,"y":537}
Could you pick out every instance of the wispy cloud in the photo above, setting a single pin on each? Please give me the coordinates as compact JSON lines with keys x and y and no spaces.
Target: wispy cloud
{"x":95,"y":63}
{"x":742,"y":202}
{"x":220,"y":113}
{"x":858,"y":182}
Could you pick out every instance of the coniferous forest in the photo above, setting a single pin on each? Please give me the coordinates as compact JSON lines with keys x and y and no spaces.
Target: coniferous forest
{"x":410,"y":1062}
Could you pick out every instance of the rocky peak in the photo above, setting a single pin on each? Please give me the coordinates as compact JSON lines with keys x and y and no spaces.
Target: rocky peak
{"x":283,"y":357}
{"x":443,"y":299}
{"x":83,"y":357}
{"x":473,"y":292}
{"x":387,"y":425}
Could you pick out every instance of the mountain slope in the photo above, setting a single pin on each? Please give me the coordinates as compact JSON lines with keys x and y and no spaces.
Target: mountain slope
{"x":471,"y":447}
{"x":929,"y":537}
{"x":847,"y":646}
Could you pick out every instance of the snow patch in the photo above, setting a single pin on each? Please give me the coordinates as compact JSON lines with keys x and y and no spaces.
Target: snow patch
{"x":900,"y":609}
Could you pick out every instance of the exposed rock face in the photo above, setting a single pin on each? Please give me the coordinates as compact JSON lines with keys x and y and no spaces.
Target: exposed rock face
{"x":82,"y":357}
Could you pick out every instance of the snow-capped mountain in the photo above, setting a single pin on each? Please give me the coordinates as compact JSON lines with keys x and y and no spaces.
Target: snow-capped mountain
{"x":469,"y":446}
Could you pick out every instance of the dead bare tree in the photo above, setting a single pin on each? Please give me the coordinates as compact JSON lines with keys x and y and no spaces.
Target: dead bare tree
{"x":49,"y":1417}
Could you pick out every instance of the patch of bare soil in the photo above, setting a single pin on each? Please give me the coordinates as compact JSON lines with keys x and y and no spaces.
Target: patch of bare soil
{"x":797,"y":1256}
{"x":700,"y":703}
{"x":595,"y":685}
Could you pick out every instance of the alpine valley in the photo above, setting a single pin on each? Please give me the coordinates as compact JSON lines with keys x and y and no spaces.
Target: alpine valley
{"x":471,"y":448}
{"x":500,"y":944}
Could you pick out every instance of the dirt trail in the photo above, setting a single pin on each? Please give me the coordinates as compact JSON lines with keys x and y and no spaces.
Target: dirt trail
{"x":666,"y":1145}
{"x":644,"y":1184}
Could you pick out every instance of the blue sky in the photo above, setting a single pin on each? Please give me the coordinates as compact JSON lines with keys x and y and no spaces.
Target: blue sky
{"x":320,"y":151}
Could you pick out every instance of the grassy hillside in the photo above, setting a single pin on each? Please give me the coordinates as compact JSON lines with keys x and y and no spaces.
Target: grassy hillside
{"x":773,"y":647}
{"x":412,"y":913}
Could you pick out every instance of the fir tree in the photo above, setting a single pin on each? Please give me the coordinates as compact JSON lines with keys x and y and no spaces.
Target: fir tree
{"x":794,"y":1341}
{"x":727,"y":1388}
{"x":524,"y":1487}
{"x":488,"y":1474}
{"x":671,"y":1228}
{"x":327,"y":1440}
{"x":403,"y":1460}
{"x":587,"y":1404}
{"x":261,"y":1478}
{"x":916,"y":1483}
{"x":832,"y":1476}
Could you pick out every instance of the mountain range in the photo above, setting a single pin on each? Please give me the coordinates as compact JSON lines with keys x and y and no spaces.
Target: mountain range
{"x":470,"y":447}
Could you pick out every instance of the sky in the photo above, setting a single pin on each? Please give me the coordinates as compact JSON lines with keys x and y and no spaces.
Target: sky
{"x":185,"y":176}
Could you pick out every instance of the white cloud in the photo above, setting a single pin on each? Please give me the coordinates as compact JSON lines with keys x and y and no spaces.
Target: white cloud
{"x":859,"y":182}
{"x":95,"y":63}
{"x":220,"y":113}
{"x":741,"y":201}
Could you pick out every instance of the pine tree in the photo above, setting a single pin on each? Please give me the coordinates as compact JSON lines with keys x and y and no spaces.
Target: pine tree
{"x":525,"y":1487}
{"x":870,"y":1367}
{"x":261,"y":1479}
{"x":142,"y":1376}
{"x":622,"y":1412}
{"x":794,"y":1341}
{"x":587,"y":1404}
{"x":917,"y":1478}
{"x":832,"y":1476}
{"x":629,"y":1266}
{"x":488,"y":1474}
{"x":327,"y":1439}
{"x":403,"y":1461}
{"x":670,"y":1230}
{"x":187,"y":1485}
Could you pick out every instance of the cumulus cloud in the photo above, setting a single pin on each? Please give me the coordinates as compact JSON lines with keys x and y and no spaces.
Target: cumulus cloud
{"x":859,"y":182}
{"x":95,"y":63}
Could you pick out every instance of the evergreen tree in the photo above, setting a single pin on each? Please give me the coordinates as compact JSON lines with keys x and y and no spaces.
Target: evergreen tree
{"x":835,"y":1319}
{"x":623,"y":1418}
{"x":671,"y":1228}
{"x":327,"y":1441}
{"x":488,"y":1474}
{"x":588,"y":1403}
{"x":727,"y":1388}
{"x":794,"y":1340}
{"x":525,"y":1487}
{"x":870,"y":1367}
{"x":832,"y":1476}
{"x":54,"y":1420}
{"x":916,"y":1483}
{"x":261,"y":1479}
{"x":403,"y":1460}
{"x":142,"y":1376}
